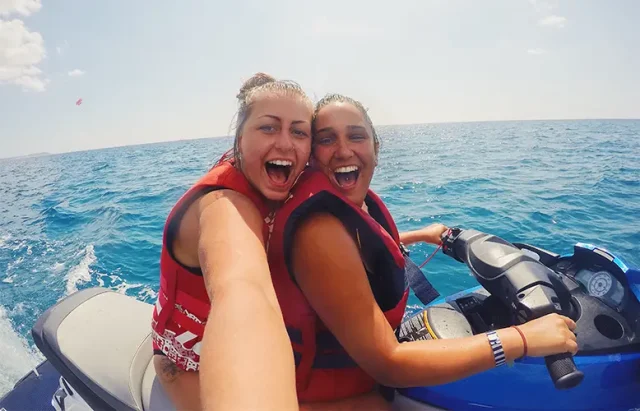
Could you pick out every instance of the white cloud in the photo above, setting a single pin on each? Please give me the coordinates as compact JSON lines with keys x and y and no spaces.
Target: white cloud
{"x":23,"y":7}
{"x":553,"y":21}
{"x":59,"y":50}
{"x":536,"y":52}
{"x":32,"y":83}
{"x":76,"y":73}
{"x":20,"y":51}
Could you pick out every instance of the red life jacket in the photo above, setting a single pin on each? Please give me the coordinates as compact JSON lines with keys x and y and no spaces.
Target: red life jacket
{"x":183,"y":304}
{"x":324,"y":370}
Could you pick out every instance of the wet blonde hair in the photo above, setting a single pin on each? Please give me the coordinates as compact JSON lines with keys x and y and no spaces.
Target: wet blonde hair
{"x":258,"y":84}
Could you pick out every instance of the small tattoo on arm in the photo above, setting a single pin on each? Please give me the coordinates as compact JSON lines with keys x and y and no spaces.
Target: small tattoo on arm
{"x":170,"y":371}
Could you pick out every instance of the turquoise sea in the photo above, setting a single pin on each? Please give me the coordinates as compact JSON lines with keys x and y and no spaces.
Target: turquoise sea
{"x":83,"y":219}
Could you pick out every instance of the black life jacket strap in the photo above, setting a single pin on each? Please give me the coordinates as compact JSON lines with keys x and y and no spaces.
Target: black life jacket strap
{"x":422,"y":288}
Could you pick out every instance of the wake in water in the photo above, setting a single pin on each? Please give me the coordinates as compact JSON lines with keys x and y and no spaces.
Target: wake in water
{"x":81,"y":273}
{"x":17,"y":357}
{"x":84,"y":273}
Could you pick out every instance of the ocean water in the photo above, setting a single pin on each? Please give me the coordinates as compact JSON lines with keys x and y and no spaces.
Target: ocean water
{"x":92,"y":218}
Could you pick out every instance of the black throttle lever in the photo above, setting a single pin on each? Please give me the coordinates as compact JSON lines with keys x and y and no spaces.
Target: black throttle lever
{"x":563,"y":371}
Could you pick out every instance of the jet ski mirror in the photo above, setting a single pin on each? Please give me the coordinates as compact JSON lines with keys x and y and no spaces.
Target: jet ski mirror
{"x":525,"y":286}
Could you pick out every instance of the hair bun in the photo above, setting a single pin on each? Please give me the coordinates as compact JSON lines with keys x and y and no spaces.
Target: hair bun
{"x":256,"y":80}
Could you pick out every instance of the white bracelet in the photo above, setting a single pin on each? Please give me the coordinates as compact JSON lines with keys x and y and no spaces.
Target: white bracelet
{"x":496,"y":346}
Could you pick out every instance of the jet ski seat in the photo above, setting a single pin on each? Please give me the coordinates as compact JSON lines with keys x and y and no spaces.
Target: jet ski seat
{"x":100,"y":342}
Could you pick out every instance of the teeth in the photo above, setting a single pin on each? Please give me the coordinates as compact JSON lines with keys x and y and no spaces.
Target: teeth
{"x":346,"y":169}
{"x":280,"y":162}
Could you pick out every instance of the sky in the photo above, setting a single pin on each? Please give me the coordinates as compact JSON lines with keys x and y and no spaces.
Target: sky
{"x":150,"y":71}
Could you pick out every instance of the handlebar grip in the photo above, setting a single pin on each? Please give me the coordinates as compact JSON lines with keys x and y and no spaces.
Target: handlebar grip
{"x":563,"y":371}
{"x":448,"y":239}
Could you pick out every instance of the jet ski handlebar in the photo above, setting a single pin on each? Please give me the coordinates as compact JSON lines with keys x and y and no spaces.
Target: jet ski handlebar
{"x":528,"y":288}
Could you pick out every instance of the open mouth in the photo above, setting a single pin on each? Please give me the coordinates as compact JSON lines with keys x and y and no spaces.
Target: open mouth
{"x":347,"y":176}
{"x":278,"y":171}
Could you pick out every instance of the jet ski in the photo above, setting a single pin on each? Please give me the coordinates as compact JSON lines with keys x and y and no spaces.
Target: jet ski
{"x":518,"y":283}
{"x":97,"y":342}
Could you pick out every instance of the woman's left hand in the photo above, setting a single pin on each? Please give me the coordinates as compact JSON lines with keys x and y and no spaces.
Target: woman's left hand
{"x":431,"y":234}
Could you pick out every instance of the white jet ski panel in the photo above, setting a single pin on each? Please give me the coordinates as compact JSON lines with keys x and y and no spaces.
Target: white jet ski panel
{"x":100,"y":342}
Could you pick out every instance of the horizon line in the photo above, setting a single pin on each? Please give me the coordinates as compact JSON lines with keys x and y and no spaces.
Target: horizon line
{"x":44,"y":154}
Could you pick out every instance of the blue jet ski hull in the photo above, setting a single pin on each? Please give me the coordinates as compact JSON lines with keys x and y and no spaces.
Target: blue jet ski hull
{"x":34,"y":391}
{"x":525,"y":386}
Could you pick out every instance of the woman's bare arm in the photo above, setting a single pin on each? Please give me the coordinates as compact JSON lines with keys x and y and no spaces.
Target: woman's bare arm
{"x":328,"y":268}
{"x":430,"y":234}
{"x":246,"y":357}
